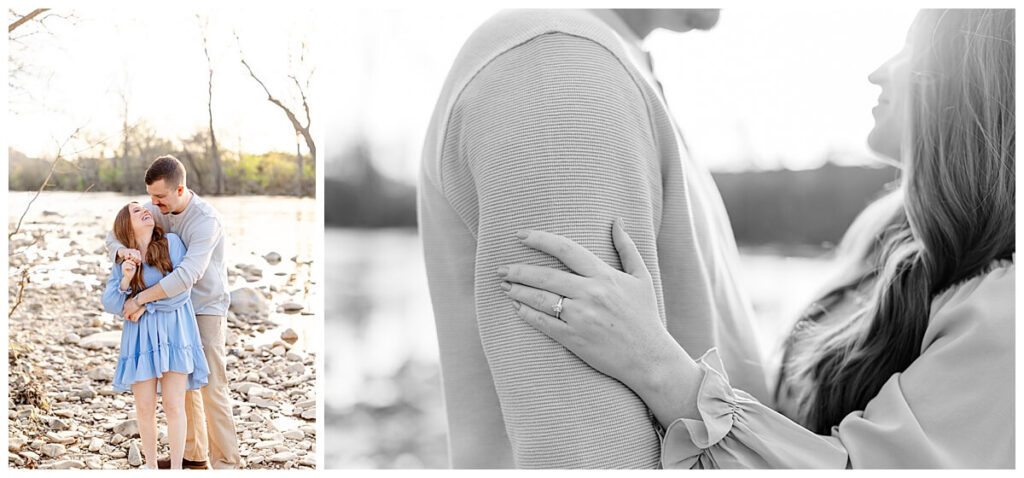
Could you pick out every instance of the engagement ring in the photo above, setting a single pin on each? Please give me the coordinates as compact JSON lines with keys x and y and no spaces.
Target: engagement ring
{"x":557,"y":308}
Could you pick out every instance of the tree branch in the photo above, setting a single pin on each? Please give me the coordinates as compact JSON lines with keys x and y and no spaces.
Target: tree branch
{"x":21,"y":21}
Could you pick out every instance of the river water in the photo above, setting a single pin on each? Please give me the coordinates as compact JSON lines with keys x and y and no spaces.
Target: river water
{"x":382,"y":360}
{"x":254,"y":226}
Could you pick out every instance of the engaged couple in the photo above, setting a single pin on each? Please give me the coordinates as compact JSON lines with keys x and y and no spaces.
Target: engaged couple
{"x":169,"y":282}
{"x":582,"y":267}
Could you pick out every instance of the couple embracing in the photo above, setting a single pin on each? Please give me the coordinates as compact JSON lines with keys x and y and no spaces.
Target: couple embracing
{"x":169,"y":283}
{"x":582,"y":267}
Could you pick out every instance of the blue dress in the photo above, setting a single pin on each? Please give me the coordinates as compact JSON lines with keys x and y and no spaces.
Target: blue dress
{"x":166,"y":337}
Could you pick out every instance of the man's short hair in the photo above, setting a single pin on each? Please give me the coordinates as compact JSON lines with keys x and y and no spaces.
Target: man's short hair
{"x":167,"y":168}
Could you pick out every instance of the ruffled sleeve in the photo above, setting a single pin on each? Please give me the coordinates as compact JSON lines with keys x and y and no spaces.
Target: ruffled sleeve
{"x":952,"y":408}
{"x":737,"y":431}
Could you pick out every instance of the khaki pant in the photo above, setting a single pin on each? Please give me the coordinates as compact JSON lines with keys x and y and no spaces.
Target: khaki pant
{"x":211,"y":427}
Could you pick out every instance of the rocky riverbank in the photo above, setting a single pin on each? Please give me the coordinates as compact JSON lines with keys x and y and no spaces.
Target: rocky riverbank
{"x":62,"y":410}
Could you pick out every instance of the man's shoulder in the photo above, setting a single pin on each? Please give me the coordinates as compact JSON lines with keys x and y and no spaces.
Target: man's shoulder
{"x":509,"y":30}
{"x":204,"y":208}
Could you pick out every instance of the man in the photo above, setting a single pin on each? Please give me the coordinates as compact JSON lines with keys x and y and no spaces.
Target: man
{"x":211,"y":427}
{"x":553,"y":120}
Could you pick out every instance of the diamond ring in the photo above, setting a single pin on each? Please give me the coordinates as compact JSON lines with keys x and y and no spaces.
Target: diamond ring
{"x":557,"y":308}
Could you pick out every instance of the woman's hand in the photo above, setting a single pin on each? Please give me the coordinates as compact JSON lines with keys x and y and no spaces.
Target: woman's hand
{"x":610,"y":319}
{"x":128,"y":269}
{"x":135,"y":316}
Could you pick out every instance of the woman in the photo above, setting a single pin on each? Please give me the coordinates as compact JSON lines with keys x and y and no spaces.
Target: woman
{"x":907,"y":359}
{"x":162,"y":343}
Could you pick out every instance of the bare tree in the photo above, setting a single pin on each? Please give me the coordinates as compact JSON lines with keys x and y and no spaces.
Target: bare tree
{"x":218,"y":169}
{"x":126,"y":134}
{"x":302,"y":87}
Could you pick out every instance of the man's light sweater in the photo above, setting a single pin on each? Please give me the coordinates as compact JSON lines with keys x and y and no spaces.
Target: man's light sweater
{"x":203,"y":269}
{"x":549,"y":120}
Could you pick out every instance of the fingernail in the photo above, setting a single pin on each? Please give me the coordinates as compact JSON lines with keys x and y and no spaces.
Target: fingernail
{"x":515,"y":305}
{"x":523,"y":234}
{"x":502,"y":271}
{"x":505,"y":286}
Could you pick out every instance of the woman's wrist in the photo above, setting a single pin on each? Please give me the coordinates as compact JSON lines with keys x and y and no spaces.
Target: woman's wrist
{"x":670,"y":386}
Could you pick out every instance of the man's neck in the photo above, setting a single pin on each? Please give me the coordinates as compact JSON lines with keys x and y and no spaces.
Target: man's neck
{"x":188,"y":200}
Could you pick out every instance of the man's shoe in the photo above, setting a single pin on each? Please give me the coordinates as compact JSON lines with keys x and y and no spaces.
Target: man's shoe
{"x":165,"y":464}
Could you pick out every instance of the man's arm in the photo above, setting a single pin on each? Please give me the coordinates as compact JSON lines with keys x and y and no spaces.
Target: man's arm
{"x":555,"y":136}
{"x":203,"y":238}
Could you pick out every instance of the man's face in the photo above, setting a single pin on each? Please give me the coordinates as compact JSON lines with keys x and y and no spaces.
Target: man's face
{"x":166,"y":198}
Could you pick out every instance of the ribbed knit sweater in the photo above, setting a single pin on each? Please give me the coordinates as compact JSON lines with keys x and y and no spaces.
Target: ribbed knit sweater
{"x":550,"y":120}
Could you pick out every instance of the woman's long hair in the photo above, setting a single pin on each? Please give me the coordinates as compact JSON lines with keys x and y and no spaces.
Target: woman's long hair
{"x":956,"y":217}
{"x":157,"y":253}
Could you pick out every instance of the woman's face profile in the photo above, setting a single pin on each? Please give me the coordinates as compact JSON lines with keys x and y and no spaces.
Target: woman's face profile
{"x":891,"y":113}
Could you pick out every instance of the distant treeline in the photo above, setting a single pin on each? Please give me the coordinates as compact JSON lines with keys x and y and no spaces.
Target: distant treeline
{"x":766,"y":208}
{"x":272,"y":173}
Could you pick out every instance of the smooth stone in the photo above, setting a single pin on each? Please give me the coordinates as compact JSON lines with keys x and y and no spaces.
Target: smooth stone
{"x":294,"y":434}
{"x":101,"y":340}
{"x":95,"y":444}
{"x":260,"y":392}
{"x":93,"y":462}
{"x":272,"y":258}
{"x":283,"y":457}
{"x":14,"y":444}
{"x":248,"y":301}
{"x":105,"y":374}
{"x":289,"y":335}
{"x":29,"y":455}
{"x":134,"y":454}
{"x":127,"y":428}
{"x":291,"y":307}
{"x":72,"y":338}
{"x":69,"y":465}
{"x":53,"y":450}
{"x":293,"y":357}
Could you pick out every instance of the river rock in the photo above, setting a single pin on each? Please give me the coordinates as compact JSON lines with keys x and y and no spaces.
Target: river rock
{"x":291,"y":307}
{"x":294,"y":434}
{"x":101,"y":340}
{"x":289,"y":335}
{"x":127,"y":428}
{"x":53,"y":450}
{"x":69,"y":465}
{"x":283,"y":457}
{"x":272,"y":258}
{"x":260,"y":392}
{"x":85,"y":393}
{"x":134,"y":455}
{"x":58,"y":424}
{"x":14,"y":444}
{"x":95,"y":444}
{"x":247,"y":301}
{"x":104,"y":374}
{"x":72,"y":338}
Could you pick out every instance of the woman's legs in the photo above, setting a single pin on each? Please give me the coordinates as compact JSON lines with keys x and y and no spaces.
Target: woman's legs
{"x":173,"y":386}
{"x":145,"y":414}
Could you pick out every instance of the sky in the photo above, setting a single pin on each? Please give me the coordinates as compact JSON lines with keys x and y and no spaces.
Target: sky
{"x":765,"y":89}
{"x":153,"y":55}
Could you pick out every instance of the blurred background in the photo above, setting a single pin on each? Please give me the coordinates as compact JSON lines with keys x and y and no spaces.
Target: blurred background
{"x":775,"y":102}
{"x":96,"y":93}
